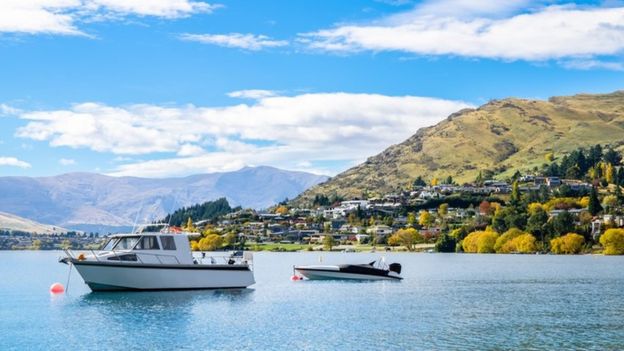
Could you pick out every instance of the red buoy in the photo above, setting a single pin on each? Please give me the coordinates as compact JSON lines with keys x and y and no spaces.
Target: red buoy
{"x":296,"y":277}
{"x":57,"y":288}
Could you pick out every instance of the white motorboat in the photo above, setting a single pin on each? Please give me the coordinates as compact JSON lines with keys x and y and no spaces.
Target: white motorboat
{"x":159,"y":261}
{"x":370,"y":271}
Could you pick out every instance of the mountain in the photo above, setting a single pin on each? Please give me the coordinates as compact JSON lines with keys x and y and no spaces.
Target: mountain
{"x":14,"y":223}
{"x":502,"y":136}
{"x":95,"y":202}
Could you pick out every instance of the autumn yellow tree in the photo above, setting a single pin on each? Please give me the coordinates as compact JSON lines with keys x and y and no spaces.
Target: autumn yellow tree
{"x":411,"y":219}
{"x":405,"y":237}
{"x":609,"y":173}
{"x":443,"y":210}
{"x":190,"y":227}
{"x":570,"y":243}
{"x":506,"y":237}
{"x":425,"y":219}
{"x":434,"y":181}
{"x":613,"y":242}
{"x":281,"y":210}
{"x":524,"y":243}
{"x":211,"y":242}
{"x":534,"y":208}
{"x":480,"y":242}
{"x":194,"y":245}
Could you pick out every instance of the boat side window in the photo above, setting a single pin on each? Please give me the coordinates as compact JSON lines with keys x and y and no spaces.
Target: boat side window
{"x":110,"y":243}
{"x":167,"y":243}
{"x":147,"y":243}
{"x":126,"y":242}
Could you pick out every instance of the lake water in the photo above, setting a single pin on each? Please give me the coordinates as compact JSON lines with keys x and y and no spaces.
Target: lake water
{"x":446,"y":301}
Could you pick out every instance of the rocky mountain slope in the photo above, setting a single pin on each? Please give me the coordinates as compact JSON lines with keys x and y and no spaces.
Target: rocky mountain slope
{"x":95,"y":202}
{"x":502,"y":136}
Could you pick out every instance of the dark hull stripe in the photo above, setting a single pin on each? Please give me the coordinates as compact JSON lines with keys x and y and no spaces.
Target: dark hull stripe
{"x":95,"y":287}
{"x":215,"y":267}
{"x":381,"y":274}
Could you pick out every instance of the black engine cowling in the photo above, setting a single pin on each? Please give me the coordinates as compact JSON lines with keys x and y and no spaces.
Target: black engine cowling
{"x":395,"y":267}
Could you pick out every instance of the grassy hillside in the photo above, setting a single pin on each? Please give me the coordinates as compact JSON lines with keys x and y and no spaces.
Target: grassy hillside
{"x":11,"y":222}
{"x":502,"y":135}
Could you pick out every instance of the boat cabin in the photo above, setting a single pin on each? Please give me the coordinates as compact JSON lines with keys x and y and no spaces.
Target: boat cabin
{"x":157,"y":248}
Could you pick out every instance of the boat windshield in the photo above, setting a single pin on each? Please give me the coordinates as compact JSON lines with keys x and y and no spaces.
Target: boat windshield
{"x":109,"y":244}
{"x":126,"y":242}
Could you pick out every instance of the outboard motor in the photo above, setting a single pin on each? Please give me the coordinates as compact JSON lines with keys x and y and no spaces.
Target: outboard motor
{"x":395,"y":267}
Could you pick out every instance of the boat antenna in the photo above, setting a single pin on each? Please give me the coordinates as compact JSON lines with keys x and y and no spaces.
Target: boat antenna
{"x":136,"y":219}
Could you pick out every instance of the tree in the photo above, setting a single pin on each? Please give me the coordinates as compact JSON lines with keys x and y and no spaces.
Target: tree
{"x":621,"y":176}
{"x":328,"y":242}
{"x":480,"y":242}
{"x":485,"y":208}
{"x":594,"y":206}
{"x":36,"y":244}
{"x":613,"y":157}
{"x":66,"y":245}
{"x":419,"y":182}
{"x":211,"y":242}
{"x":406,"y":237}
{"x":459,"y":233}
{"x":425,"y":218}
{"x":514,"y":200}
{"x":189,"y":227}
{"x":479,"y":179}
{"x":610,"y":202}
{"x":618,"y":195}
{"x":536,"y":222}
{"x":230,"y":239}
{"x":194,"y":245}
{"x":506,"y":237}
{"x":434,"y":181}
{"x":445,"y":243}
{"x":613,"y":242}
{"x":610,"y":174}
{"x":549,"y":157}
{"x":563,"y":223}
{"x":443,"y":210}
{"x":281,"y":210}
{"x":570,"y":243}
{"x":523,"y":243}
{"x":595,"y":154}
{"x":411,"y":219}
{"x":448,"y":180}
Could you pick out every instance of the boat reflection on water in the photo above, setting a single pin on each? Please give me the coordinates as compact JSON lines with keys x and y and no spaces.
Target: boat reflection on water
{"x":165,"y":299}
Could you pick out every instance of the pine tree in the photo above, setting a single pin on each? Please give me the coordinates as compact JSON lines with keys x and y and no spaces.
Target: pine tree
{"x":515,"y":195}
{"x":594,"y":203}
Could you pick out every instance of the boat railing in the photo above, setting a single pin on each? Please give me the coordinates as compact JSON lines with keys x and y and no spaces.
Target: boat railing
{"x":203,"y":258}
{"x":96,"y":253}
{"x":207,"y":257}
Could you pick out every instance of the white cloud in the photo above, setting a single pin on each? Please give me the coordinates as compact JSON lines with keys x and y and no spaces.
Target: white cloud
{"x":593,"y":64}
{"x":252,"y":42}
{"x":6,"y":110}
{"x":67,"y":161}
{"x":252,"y":94}
{"x":294,"y":132}
{"x":553,"y":32}
{"x":61,"y":16}
{"x":13,"y":162}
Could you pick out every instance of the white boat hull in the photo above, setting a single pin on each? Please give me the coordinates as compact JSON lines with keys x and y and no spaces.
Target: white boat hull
{"x":112,"y":276}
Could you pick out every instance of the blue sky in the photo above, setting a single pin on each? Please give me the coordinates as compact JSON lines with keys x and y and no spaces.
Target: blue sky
{"x":175,"y":87}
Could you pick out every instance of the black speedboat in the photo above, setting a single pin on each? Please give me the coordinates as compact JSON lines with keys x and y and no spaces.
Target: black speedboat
{"x":368,"y":271}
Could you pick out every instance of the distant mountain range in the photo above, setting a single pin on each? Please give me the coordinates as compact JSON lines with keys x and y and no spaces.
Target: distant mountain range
{"x":95,"y":202}
{"x":502,"y":136}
